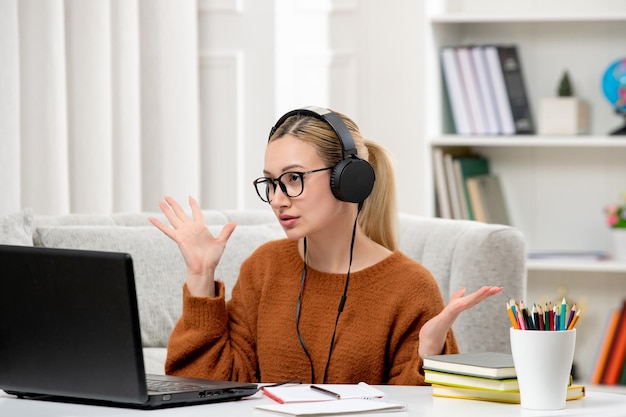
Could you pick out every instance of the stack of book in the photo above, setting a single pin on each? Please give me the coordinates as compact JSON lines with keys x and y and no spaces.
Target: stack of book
{"x":466,"y":188}
{"x":486,"y":376}
{"x":610,"y":364}
{"x":486,"y":90}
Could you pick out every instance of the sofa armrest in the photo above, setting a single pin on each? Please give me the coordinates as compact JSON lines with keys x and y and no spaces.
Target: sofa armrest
{"x":469,"y":254}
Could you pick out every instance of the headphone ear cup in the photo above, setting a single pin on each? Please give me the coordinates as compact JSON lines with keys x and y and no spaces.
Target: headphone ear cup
{"x":352,"y":180}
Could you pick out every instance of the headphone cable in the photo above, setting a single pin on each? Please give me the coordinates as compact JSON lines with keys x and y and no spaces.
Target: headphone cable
{"x":342,"y":303}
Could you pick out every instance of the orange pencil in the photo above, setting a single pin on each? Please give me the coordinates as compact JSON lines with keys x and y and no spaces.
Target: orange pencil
{"x":574,"y":320}
{"x":511,"y":316}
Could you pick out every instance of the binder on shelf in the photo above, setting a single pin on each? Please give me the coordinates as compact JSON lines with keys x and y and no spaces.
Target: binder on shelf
{"x":519,"y":104}
{"x":505,"y":115}
{"x":487,"y":199}
{"x":455,"y":91}
{"x":475,"y":103}
{"x":479,"y":58}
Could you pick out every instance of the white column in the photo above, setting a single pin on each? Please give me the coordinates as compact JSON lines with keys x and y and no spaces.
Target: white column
{"x":126,"y":105}
{"x":89,"y":104}
{"x":43,"y":110}
{"x":169,"y":99}
{"x":9,"y":108}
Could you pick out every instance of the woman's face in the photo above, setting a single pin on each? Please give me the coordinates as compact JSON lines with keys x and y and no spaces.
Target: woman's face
{"x":316,"y":209}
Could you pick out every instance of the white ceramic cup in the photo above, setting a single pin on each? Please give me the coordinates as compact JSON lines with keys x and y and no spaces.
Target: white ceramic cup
{"x":543,"y":363}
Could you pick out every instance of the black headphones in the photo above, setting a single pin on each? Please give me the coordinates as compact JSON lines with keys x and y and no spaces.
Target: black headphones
{"x":352,"y":179}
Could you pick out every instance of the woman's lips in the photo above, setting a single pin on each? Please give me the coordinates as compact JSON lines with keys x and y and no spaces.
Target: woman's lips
{"x":288,"y":221}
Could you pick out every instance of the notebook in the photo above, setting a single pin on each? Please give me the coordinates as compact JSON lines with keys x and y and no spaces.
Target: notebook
{"x":69,"y":331}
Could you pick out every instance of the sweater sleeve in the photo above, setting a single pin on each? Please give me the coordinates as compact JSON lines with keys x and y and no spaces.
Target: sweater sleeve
{"x":207,"y":343}
{"x":406,"y":367}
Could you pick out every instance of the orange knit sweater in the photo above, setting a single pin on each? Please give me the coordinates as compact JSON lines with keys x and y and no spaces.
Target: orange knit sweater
{"x":253,"y":337}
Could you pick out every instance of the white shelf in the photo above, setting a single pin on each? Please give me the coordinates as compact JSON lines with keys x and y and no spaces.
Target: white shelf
{"x":456,"y":18}
{"x":571,"y":265}
{"x":530,"y":141}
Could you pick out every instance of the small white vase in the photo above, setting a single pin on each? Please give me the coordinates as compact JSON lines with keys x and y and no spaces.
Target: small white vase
{"x":619,"y":244}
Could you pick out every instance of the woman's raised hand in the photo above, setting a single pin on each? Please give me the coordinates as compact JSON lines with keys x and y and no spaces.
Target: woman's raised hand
{"x":433,"y":333}
{"x":201,"y":250}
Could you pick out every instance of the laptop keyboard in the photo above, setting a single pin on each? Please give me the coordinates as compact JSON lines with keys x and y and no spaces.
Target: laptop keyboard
{"x":172,"y":386}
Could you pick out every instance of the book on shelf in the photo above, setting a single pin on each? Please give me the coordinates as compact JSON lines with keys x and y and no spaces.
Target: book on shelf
{"x":518,"y":100}
{"x":487,"y":200}
{"x":605,"y":346}
{"x":480,"y":364}
{"x":474,"y":99}
{"x":455,"y":91}
{"x":486,"y":90}
{"x":574,"y":392}
{"x":466,"y":167}
{"x":442,"y":187}
{"x":453,"y":187}
{"x":485,"y":85}
{"x":467,"y":381}
{"x":617,"y":352}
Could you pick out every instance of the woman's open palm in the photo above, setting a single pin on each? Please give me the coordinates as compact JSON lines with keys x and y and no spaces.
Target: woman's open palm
{"x":200,"y":249}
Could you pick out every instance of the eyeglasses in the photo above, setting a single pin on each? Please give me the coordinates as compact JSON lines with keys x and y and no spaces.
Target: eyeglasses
{"x":291,"y":184}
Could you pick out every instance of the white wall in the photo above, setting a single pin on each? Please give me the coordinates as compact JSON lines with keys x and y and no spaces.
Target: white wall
{"x":360,"y":57}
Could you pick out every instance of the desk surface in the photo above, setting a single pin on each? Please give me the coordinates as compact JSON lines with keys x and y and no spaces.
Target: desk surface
{"x":419,"y":399}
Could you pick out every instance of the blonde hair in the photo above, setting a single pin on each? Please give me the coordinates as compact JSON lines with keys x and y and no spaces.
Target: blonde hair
{"x":378,"y":214}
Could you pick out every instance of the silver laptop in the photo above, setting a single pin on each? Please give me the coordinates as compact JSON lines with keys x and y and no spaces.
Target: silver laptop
{"x":69,"y":331}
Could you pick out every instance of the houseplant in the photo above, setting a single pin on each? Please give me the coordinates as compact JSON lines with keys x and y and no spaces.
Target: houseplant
{"x":564,"y":114}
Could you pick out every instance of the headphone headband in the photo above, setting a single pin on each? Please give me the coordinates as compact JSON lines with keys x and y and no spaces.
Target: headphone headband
{"x":330,"y":117}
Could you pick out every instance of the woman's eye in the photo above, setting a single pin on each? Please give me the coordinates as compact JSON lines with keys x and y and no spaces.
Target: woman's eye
{"x":293,"y":177}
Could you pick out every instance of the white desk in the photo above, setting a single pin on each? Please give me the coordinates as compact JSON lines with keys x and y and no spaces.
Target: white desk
{"x":419,"y":399}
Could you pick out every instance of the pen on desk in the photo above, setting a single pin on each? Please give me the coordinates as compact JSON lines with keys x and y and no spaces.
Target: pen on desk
{"x":325,"y":391}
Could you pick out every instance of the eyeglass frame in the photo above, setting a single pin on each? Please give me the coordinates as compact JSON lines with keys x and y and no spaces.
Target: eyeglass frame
{"x":282,"y":186}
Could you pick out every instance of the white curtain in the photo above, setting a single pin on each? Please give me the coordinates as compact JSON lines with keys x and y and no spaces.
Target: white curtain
{"x":98,"y":104}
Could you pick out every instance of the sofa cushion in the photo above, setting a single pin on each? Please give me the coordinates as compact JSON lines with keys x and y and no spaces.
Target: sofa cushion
{"x":16,"y":228}
{"x":159,"y":266}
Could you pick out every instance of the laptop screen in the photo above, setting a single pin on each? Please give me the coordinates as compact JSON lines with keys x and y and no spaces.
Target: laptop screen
{"x":69,"y":324}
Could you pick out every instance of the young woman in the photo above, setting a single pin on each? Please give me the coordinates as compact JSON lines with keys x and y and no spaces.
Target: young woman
{"x":335,"y":301}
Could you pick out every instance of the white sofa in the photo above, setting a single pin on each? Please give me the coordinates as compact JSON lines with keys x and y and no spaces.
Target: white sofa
{"x":458,"y":253}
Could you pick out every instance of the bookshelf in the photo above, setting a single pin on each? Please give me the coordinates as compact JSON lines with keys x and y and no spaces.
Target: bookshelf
{"x":555,"y":186}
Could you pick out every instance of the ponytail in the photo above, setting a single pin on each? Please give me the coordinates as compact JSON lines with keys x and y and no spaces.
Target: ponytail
{"x":378,"y":216}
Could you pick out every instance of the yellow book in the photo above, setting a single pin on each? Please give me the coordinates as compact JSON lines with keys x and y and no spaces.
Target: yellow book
{"x":466,"y":381}
{"x":573,"y":392}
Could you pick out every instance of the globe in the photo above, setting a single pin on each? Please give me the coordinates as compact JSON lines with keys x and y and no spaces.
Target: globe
{"x":614,"y":88}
